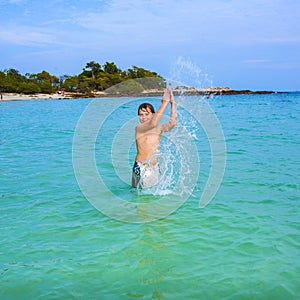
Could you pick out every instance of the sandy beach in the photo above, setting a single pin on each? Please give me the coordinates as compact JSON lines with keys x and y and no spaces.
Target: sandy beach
{"x":20,"y":97}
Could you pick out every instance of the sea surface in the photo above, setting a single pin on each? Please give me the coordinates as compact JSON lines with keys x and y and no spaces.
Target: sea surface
{"x":244,"y":244}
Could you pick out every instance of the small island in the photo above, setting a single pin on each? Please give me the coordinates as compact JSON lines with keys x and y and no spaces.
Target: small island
{"x":97,"y":80}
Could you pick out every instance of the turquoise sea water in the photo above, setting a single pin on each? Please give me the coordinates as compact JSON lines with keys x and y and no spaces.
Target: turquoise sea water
{"x":243,"y":245}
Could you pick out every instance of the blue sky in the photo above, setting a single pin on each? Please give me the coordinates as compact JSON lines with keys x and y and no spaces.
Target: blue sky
{"x":252,"y":44}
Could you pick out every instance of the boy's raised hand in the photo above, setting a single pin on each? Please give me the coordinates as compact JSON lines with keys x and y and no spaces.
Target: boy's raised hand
{"x":171,"y":95}
{"x":166,"y":96}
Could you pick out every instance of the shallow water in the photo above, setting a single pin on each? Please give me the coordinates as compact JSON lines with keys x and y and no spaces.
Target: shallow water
{"x":244,"y":244}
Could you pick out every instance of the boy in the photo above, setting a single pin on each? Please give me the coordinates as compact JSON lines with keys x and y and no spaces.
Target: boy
{"x":147,"y":136}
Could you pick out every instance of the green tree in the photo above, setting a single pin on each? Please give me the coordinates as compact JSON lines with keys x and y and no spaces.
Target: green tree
{"x":14,"y":74}
{"x":103,"y":82}
{"x":84,"y":87}
{"x":70,"y":84}
{"x":12,"y":80}
{"x":137,"y":72}
{"x":44,"y":76}
{"x":47,"y":83}
{"x":111,"y":68}
{"x":29,"y":88}
{"x":91,"y":69}
{"x":92,"y":78}
{"x":46,"y":87}
{"x":2,"y":82}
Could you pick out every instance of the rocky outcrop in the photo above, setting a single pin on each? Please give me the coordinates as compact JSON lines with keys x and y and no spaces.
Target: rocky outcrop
{"x":177,"y":91}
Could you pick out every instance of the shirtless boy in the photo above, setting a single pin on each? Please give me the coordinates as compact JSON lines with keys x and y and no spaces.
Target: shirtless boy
{"x":147,"y":136}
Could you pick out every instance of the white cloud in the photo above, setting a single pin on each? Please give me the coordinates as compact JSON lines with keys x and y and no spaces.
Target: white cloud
{"x":25,"y":36}
{"x":193,"y":23}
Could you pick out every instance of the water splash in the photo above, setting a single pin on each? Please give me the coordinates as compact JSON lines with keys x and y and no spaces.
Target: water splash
{"x":180,"y":166}
{"x":185,"y":75}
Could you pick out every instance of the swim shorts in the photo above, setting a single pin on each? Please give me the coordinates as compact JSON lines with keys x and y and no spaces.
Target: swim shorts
{"x":145,"y":175}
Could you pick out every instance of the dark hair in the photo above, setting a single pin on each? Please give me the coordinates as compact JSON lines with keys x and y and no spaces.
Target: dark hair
{"x":146,"y":106}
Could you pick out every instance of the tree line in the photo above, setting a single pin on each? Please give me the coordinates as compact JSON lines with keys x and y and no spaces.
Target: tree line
{"x":94,"y":77}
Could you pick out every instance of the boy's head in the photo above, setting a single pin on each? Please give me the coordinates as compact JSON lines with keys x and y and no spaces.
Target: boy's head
{"x":145,"y":112}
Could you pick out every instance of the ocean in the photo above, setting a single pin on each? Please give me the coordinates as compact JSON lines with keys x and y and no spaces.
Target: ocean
{"x":73,"y":228}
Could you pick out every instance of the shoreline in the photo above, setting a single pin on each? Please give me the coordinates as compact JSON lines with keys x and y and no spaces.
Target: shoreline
{"x":146,"y":93}
{"x":24,"y":97}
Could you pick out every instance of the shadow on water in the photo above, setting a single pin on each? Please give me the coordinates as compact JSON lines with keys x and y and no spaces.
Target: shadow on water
{"x":148,"y":266}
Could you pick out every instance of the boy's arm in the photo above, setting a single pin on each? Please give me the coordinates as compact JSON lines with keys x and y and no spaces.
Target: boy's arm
{"x":173,"y":116}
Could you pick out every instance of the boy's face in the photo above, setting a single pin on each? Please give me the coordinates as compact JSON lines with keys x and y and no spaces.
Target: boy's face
{"x":145,"y":115}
